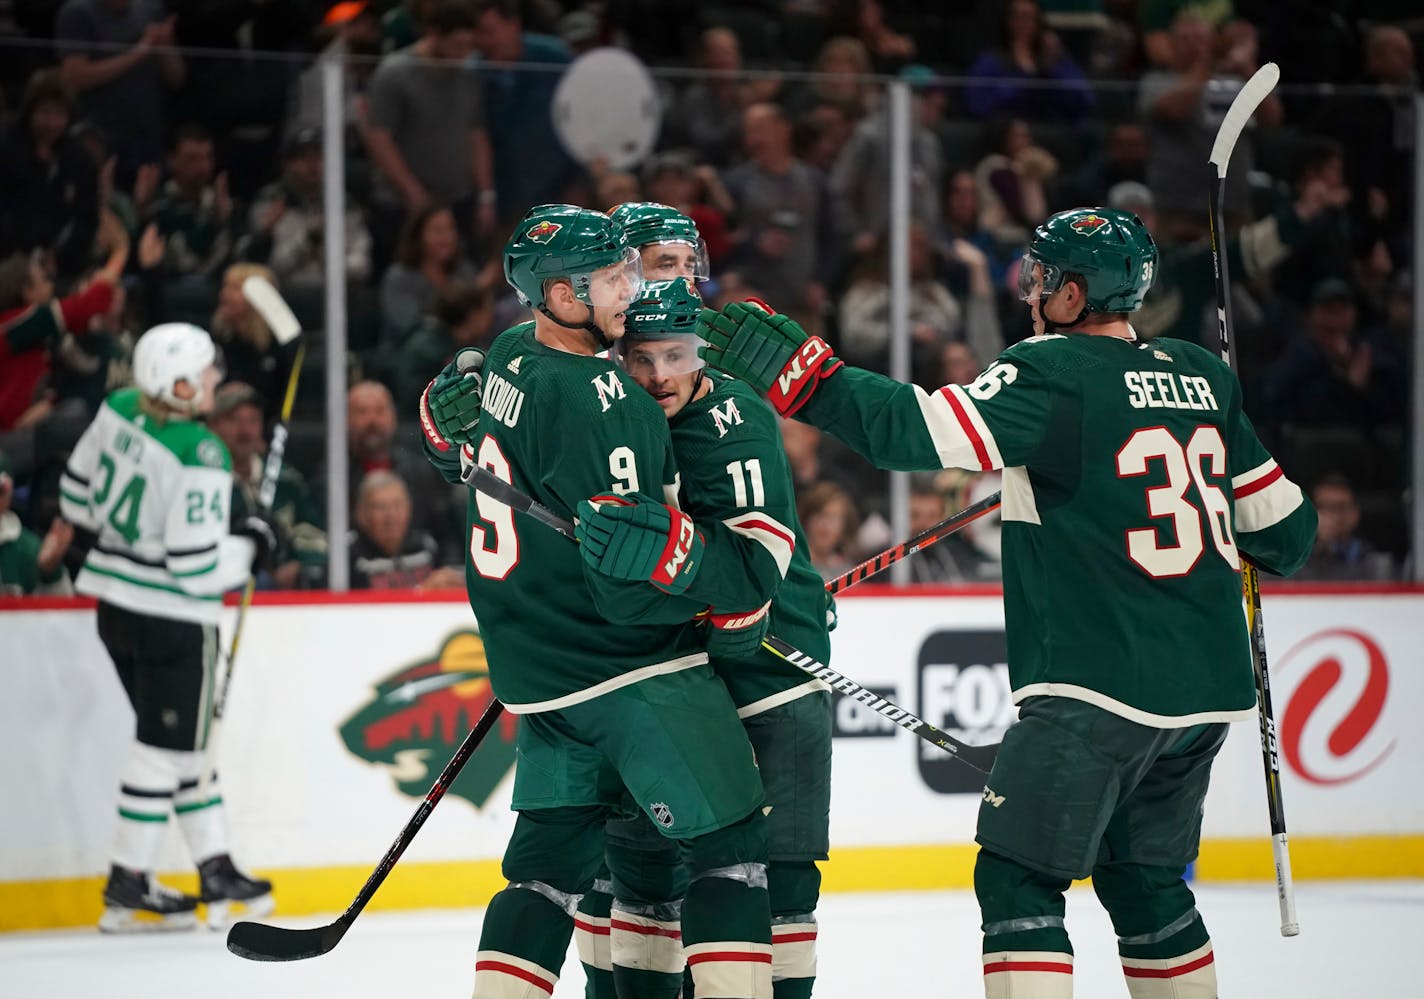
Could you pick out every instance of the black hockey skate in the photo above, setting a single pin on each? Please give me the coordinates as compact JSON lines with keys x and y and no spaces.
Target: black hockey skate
{"x":136,"y":903}
{"x":224,"y":884}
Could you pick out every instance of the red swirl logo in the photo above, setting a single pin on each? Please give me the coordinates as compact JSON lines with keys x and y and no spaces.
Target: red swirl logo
{"x":1328,"y":729}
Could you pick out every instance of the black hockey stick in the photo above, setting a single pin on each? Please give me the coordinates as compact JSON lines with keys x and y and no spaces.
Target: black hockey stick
{"x":981,"y":758}
{"x":1256,"y":90}
{"x":921,"y":541}
{"x":261,"y":942}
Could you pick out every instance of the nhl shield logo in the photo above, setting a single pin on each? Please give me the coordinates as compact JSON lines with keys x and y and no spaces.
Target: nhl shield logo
{"x":543,"y":232}
{"x":1090,"y":225}
{"x":419,"y":714}
{"x":662,"y":814}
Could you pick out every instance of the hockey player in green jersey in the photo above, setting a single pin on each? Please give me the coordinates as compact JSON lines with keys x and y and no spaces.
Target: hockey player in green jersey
{"x":733,"y":471}
{"x":153,"y":484}
{"x":611,"y":675}
{"x":1133,"y":485}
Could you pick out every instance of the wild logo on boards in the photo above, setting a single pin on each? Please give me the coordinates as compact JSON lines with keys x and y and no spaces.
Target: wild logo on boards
{"x":419,"y":714}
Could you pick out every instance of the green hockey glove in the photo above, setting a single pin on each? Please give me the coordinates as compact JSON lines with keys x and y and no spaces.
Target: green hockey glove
{"x":770,"y":352}
{"x":637,"y":538}
{"x":450,"y":405}
{"x":736,"y":637}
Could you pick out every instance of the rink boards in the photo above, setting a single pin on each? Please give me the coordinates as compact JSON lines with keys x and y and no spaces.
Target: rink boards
{"x":344,"y":710}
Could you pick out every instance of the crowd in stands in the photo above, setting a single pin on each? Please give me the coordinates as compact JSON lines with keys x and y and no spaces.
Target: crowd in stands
{"x":155,"y":154}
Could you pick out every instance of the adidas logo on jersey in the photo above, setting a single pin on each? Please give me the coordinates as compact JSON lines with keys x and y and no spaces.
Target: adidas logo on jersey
{"x":1161,"y":355}
{"x":513,"y":364}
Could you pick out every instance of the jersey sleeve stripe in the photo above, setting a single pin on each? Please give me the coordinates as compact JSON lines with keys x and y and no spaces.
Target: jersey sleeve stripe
{"x":1267,"y":505}
{"x":182,"y":552}
{"x":960,"y":435}
{"x":1258,"y":478}
{"x":189,"y":573}
{"x":79,"y":500}
{"x":81,"y":480}
{"x":771,"y":534}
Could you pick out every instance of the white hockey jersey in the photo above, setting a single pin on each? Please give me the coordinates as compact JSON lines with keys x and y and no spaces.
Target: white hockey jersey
{"x":156,"y":491}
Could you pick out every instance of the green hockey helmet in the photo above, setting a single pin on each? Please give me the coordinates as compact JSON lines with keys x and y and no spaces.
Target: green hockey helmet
{"x":574,"y":244}
{"x":664,"y":314}
{"x":1111,"y":249}
{"x":648,"y":224}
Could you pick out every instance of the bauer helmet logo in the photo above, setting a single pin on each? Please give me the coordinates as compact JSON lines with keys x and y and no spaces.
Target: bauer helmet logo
{"x":418,"y":715}
{"x":543,"y":232}
{"x":1090,"y":225}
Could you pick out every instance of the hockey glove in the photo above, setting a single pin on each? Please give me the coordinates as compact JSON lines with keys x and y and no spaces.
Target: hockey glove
{"x":450,"y":405}
{"x":770,"y":352}
{"x":736,"y":637}
{"x":637,"y":538}
{"x":264,"y":541}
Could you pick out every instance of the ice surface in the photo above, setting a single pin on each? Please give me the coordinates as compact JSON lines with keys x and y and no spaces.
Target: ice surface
{"x":1357,"y":939}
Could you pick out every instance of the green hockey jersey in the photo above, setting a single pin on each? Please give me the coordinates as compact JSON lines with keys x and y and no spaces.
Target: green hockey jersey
{"x":156,"y":492}
{"x":1131,"y":481}
{"x":734,"y":471}
{"x":563,"y":427}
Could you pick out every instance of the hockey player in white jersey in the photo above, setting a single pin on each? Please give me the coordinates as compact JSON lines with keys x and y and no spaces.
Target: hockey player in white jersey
{"x":153,"y":485}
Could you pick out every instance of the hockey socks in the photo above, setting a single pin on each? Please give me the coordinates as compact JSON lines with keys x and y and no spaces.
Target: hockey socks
{"x":526,"y":934}
{"x":646,"y":946}
{"x":147,"y":786}
{"x":1175,"y":962}
{"x":591,"y":936}
{"x":726,"y":933}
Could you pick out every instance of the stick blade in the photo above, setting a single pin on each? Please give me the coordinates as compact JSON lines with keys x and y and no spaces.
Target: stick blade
{"x":1256,"y":90}
{"x":260,"y":942}
{"x":273,"y":309}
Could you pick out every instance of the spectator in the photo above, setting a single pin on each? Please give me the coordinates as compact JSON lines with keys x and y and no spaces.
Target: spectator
{"x":1010,"y":182}
{"x":115,"y":55}
{"x":842,"y":70}
{"x":300,"y":561}
{"x":251,"y":353}
{"x":861,"y":176}
{"x":814,"y":457}
{"x":934,"y":315}
{"x":952,"y":559}
{"x":830,"y":521}
{"x":49,"y":185}
{"x":460,"y":317}
{"x":708,"y":114}
{"x":613,"y":187}
{"x":1183,"y":106}
{"x":961,"y":222}
{"x":1340,"y":553}
{"x":371,"y":446}
{"x":1159,"y":20}
{"x":958,"y":364}
{"x":1122,"y":158}
{"x":865,"y":21}
{"x":426,"y":131}
{"x":29,"y":565}
{"x":88,"y":367}
{"x":520,"y":106}
{"x":1030,"y":75}
{"x":673,"y":179}
{"x":404,"y":23}
{"x":428,"y":260}
{"x":1328,"y":378}
{"x":35,"y":423}
{"x":350,"y":33}
{"x":194,"y":211}
{"x":288,"y":222}
{"x":785,"y":234}
{"x":386,"y":552}
{"x":820,"y":133}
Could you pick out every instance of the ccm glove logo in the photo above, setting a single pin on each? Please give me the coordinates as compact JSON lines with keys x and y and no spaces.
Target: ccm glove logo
{"x":675,"y":555}
{"x":797,"y":379}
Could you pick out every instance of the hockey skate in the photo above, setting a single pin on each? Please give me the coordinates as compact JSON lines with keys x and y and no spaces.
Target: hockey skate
{"x":224,"y":884}
{"x":134,"y":902}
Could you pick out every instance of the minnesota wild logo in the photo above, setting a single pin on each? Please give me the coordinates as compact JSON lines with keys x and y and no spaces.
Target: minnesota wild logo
{"x":543,"y":232}
{"x":419,"y":714}
{"x":1089,"y":225}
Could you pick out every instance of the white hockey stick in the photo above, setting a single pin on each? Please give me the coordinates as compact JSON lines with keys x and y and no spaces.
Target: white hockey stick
{"x":285,"y":328}
{"x":1256,"y":90}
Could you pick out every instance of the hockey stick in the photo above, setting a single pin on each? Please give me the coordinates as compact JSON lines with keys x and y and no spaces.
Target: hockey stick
{"x":981,"y":758}
{"x":919,"y":542}
{"x":261,"y":942}
{"x":1256,"y":90}
{"x":285,"y":328}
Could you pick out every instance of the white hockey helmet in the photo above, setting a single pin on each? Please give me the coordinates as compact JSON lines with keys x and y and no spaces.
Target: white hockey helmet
{"x":169,"y":353}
